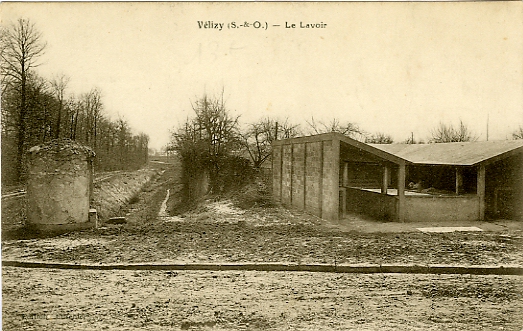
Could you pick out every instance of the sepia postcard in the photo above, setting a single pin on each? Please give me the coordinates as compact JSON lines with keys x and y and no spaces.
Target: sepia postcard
{"x":262,"y":165}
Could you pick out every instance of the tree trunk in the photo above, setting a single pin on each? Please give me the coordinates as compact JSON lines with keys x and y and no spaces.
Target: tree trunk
{"x":58,"y":120}
{"x":20,"y":173}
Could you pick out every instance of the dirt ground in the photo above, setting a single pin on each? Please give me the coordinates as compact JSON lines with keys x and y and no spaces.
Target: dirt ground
{"x":220,"y":231}
{"x":40,"y":299}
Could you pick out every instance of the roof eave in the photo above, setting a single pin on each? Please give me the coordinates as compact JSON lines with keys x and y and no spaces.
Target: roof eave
{"x":340,"y":137}
{"x":501,"y":156}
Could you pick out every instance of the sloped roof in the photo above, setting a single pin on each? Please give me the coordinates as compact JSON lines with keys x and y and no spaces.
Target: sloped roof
{"x":461,"y":153}
{"x":342,"y":138}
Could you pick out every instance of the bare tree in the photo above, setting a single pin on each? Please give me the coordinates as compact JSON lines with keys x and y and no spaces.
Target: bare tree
{"x":412,"y":140}
{"x":39,"y":125}
{"x":518,"y":134}
{"x":445,"y":133}
{"x":35,"y":110}
{"x":259,"y":136}
{"x":216,"y":126}
{"x":73,"y":110}
{"x":349,"y":129}
{"x":286,"y":130}
{"x":94,"y":110}
{"x":206,"y":144}
{"x":21,"y":47}
{"x":379,"y":138}
{"x":59,"y":84}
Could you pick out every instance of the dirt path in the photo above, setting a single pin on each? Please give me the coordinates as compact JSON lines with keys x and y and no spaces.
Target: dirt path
{"x":198,"y":300}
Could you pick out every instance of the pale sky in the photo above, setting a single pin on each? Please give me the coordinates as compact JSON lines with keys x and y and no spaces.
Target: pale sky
{"x":395,"y":67}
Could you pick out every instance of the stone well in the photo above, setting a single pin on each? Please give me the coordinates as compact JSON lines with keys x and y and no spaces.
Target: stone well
{"x":59,"y":186}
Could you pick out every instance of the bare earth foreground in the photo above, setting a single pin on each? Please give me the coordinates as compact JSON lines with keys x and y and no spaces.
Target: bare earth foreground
{"x":221,"y":232}
{"x":155,"y":300}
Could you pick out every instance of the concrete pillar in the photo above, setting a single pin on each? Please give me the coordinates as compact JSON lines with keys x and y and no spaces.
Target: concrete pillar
{"x":343,"y":201}
{"x":277,"y":172}
{"x":305,"y":176}
{"x":336,"y":144}
{"x":298,"y":176}
{"x":292,"y":173}
{"x":459,"y":180}
{"x":481,"y":191}
{"x":401,"y":193}
{"x":345,"y":174}
{"x":286,"y":174}
{"x":331,"y":179}
{"x":385,"y":180}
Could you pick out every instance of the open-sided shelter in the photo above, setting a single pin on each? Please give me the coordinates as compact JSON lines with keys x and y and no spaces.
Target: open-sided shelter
{"x":330,"y":175}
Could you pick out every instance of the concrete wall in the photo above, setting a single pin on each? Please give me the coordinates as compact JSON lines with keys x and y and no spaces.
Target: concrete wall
{"x":313,"y":177}
{"x":504,"y":188}
{"x":373,"y":204}
{"x":305,"y":176}
{"x":417,"y":208}
{"x":441,"y":209}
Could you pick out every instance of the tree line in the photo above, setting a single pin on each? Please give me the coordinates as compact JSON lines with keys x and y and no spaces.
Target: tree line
{"x":36,"y":110}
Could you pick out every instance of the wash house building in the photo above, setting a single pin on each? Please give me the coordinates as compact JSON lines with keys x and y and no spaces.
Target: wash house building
{"x":331,"y":175}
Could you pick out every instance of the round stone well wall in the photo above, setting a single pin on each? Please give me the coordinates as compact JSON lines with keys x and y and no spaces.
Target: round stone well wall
{"x":59,"y":186}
